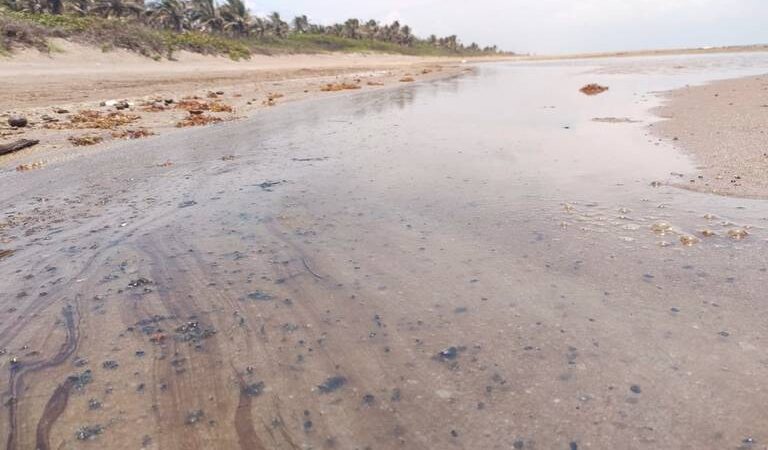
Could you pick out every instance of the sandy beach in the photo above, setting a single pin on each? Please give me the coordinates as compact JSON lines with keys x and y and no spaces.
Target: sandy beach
{"x":724,"y":126}
{"x":487,"y":261}
{"x":50,"y":89}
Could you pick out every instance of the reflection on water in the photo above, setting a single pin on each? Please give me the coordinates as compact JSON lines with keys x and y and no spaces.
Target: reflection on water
{"x":470,"y":263}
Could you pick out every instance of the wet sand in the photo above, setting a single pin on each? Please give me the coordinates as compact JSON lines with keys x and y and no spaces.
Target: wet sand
{"x":724,"y":126}
{"x":465,"y":263}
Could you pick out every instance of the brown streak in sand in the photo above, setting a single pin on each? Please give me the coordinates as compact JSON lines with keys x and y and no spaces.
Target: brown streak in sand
{"x":56,"y":404}
{"x":53,"y":409}
{"x":246,"y":434}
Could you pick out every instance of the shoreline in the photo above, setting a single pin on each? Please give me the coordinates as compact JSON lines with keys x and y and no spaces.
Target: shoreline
{"x":56,"y":88}
{"x":722,"y":126}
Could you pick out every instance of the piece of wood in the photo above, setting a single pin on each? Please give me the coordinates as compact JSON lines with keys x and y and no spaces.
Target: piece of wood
{"x":15,"y":146}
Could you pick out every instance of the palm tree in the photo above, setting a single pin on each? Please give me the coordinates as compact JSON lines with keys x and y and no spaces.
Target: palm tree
{"x":370,"y":29}
{"x":236,"y":17}
{"x":205,"y":16}
{"x":56,"y":6}
{"x":301,"y":24}
{"x":117,"y":8}
{"x":168,"y":14}
{"x":351,"y":29}
{"x":406,"y":36}
{"x":258,"y":26}
{"x":277,"y":26}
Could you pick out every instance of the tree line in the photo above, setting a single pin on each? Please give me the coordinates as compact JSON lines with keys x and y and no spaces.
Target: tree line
{"x":232,"y":18}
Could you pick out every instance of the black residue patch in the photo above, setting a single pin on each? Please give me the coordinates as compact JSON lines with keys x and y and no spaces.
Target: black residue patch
{"x":332,"y":384}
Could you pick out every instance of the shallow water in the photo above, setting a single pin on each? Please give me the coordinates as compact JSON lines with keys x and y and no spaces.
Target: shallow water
{"x":469,"y":263}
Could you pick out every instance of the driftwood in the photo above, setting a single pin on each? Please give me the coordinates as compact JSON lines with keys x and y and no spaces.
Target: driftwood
{"x":15,"y":146}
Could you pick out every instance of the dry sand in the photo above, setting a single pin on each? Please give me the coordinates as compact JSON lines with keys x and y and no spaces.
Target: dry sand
{"x":724,"y":125}
{"x":48,"y":89}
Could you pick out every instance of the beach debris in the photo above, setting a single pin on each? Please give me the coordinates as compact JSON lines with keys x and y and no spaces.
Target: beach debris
{"x":707,"y":233}
{"x":15,"y":146}
{"x":195,"y":104}
{"x":18,"y":121}
{"x":737,"y":234}
{"x":593,"y":89}
{"x":88,"y":432}
{"x":139,"y":282}
{"x":96,"y":120}
{"x":193,"y":332}
{"x":332,"y":87}
{"x":30,"y":166}
{"x":5,"y":253}
{"x":448,"y":354}
{"x":187,"y":204}
{"x":167,"y":163}
{"x":332,"y":384}
{"x":375,"y":83}
{"x":80,"y":141}
{"x":153,"y":106}
{"x":688,"y":240}
{"x":271,"y":97}
{"x":110,"y":365}
{"x":197,"y":118}
{"x":194,"y":416}
{"x":407,"y":80}
{"x":661,"y":228}
{"x":635,"y":389}
{"x":132,"y":133}
{"x":117,"y":104}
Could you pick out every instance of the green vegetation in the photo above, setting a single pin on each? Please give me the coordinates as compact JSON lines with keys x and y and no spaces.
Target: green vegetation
{"x":162,"y":27}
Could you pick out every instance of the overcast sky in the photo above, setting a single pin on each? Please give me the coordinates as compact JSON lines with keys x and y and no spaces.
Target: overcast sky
{"x":555,"y":26}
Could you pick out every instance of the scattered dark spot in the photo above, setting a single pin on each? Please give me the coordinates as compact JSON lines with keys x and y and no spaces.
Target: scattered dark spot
{"x":81,"y":380}
{"x":139,"y":283}
{"x":267,"y":185}
{"x":449,"y":353}
{"x":187,"y":204}
{"x":254,"y":389}
{"x":259,"y":295}
{"x":110,"y":365}
{"x":332,"y":384}
{"x":88,"y":432}
{"x":635,"y":388}
{"x":194,"y":416}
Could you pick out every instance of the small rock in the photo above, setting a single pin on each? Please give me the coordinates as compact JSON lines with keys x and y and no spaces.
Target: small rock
{"x":18,"y":121}
{"x":635,"y":389}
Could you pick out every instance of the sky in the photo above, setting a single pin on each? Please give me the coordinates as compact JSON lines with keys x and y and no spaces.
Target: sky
{"x":555,"y":26}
